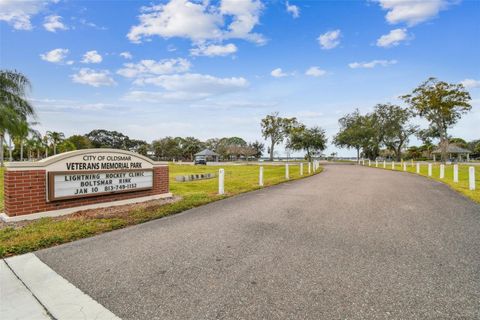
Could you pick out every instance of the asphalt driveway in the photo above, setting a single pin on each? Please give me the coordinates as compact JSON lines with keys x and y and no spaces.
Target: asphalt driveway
{"x":350,"y":243}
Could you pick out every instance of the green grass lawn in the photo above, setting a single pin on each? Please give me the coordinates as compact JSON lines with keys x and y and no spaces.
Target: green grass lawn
{"x":461,"y":186}
{"x":48,"y":232}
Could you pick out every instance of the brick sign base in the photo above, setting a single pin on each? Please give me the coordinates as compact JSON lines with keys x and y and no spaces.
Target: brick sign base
{"x":26,"y":183}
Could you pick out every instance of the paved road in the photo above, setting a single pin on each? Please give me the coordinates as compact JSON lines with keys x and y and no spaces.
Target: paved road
{"x":350,"y":243}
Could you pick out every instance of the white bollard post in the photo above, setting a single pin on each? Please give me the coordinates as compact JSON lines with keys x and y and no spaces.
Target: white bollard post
{"x":384,"y":164}
{"x":260,"y":177}
{"x":418,"y":167}
{"x":301,"y":168}
{"x":404,"y":166}
{"x":309,"y":168}
{"x":455,"y":173}
{"x":221,"y":181}
{"x":393,"y":165}
{"x":369,"y":163}
{"x":376,"y":163}
{"x":287,"y":176}
{"x":442,"y":171}
{"x":429,"y":169}
{"x":471,"y":178}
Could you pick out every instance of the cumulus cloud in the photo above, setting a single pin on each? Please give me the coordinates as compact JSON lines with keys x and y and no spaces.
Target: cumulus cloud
{"x":199,"y":21}
{"x":55,"y":55}
{"x":214,"y":50}
{"x":126,"y":55}
{"x":278,"y":73}
{"x":471,"y":83}
{"x":330,"y":39}
{"x":146,"y":68}
{"x":412,"y":12}
{"x":18,"y":14}
{"x":92,"y":57}
{"x":186,"y":87}
{"x":371,"y":64}
{"x":292,"y":9}
{"x":53,"y":23}
{"x":315,"y":72}
{"x":393,"y":38}
{"x":94,"y":78}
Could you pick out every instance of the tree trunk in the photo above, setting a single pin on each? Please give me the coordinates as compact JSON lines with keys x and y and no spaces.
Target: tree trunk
{"x":21,"y":150}
{"x":10,"y":157}
{"x":1,"y":149}
{"x":271,"y":150}
{"x":54,"y":149}
{"x":358,"y":155}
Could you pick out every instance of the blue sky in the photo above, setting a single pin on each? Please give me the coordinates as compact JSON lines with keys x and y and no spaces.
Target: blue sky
{"x":215,"y":68}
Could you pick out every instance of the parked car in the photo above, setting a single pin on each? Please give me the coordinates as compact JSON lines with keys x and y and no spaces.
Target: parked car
{"x":200,"y":160}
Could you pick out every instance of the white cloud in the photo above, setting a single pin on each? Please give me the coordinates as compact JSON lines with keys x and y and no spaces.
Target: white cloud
{"x":214,"y":50}
{"x":330,"y":39}
{"x":92,"y":57}
{"x":199,"y":21}
{"x":393,"y":38}
{"x":55,"y":55}
{"x":278,"y":73}
{"x":471,"y":83}
{"x":19,"y":13}
{"x":292,"y":9}
{"x":315,"y":72}
{"x":53,"y":23}
{"x":152,"y":67}
{"x":126,"y":55}
{"x":94,"y":78}
{"x":186,"y":87}
{"x":371,"y":64}
{"x":412,"y":12}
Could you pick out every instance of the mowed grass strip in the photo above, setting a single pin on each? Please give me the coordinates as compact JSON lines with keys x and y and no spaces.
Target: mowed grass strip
{"x":461,"y":186}
{"x":48,"y":232}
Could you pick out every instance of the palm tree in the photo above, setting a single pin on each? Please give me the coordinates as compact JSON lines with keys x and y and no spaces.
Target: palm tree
{"x":22,"y":131}
{"x":13,"y":103}
{"x":55,"y":138}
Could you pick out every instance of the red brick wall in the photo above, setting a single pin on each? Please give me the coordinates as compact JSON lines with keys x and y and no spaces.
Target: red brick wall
{"x":25,"y":192}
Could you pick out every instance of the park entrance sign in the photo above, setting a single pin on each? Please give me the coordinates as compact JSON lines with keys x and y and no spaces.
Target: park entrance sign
{"x":80,"y":180}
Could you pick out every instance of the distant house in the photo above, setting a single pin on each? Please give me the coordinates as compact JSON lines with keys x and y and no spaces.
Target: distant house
{"x":454,"y":152}
{"x":207,"y":155}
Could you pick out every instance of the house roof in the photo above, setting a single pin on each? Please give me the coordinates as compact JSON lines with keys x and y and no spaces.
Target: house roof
{"x":453,"y":148}
{"x":206,"y":152}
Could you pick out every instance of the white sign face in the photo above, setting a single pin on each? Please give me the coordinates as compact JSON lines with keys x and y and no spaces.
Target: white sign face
{"x":65,"y":185}
{"x":100,"y":161}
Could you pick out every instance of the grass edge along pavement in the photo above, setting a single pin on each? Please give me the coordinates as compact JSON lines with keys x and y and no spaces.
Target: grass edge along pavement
{"x":48,"y":232}
{"x":461,"y":186}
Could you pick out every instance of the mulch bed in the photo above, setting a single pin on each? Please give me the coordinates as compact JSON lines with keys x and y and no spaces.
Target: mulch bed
{"x":122,"y":211}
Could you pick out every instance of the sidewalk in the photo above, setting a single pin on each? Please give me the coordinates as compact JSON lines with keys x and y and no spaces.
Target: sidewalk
{"x":30,"y":290}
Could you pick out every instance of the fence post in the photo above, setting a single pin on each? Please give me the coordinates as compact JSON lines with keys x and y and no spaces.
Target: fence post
{"x":404,"y":166}
{"x":384,"y":164}
{"x":287,"y":176}
{"x":429,"y":169}
{"x":369,"y":163}
{"x":455,"y":173}
{"x":260,"y":177}
{"x":221,"y":181}
{"x":363,"y":162}
{"x":471,"y":178}
{"x":393,"y":165}
{"x":309,"y":167}
{"x":301,"y":168}
{"x":418,"y":167}
{"x":442,"y":171}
